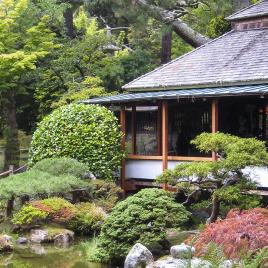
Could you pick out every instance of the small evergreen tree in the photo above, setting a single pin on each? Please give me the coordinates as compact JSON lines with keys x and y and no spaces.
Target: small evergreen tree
{"x":225,"y":178}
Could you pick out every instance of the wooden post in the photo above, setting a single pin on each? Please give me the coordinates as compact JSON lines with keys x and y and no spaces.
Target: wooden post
{"x":165,"y":137}
{"x":123,"y":145}
{"x":133,"y":129}
{"x":215,"y":121}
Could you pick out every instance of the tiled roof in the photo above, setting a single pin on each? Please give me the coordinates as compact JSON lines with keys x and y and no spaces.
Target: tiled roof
{"x":238,"y":57}
{"x":257,"y":10}
{"x":183,"y":93}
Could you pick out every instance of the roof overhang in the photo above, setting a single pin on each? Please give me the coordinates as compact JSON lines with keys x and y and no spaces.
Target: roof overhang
{"x":249,"y":90}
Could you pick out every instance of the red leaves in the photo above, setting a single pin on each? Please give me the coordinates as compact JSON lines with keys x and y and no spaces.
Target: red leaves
{"x":239,"y":233}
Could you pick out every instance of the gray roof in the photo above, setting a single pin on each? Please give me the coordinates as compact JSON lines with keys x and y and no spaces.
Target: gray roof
{"x":186,"y":93}
{"x":258,"y":10}
{"x":236,"y":58}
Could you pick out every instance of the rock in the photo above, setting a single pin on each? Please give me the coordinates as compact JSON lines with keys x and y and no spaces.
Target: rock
{"x":22,"y":240}
{"x":39,"y":236}
{"x":170,"y":262}
{"x":175,"y":237}
{"x":6,"y":243}
{"x":227,"y":264}
{"x":138,"y":256}
{"x":182,"y":251}
{"x":198,"y":263}
{"x":63,"y":239}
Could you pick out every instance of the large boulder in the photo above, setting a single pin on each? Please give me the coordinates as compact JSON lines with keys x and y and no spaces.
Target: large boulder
{"x":6,"y":244}
{"x":138,"y":257}
{"x":22,"y":240}
{"x":170,"y":262}
{"x":182,"y":251}
{"x":63,"y":239}
{"x":39,"y":236}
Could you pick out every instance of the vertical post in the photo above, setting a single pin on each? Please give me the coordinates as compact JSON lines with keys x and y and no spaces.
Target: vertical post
{"x":133,"y":129}
{"x":123,"y":145}
{"x":215,"y":121}
{"x":165,"y":137}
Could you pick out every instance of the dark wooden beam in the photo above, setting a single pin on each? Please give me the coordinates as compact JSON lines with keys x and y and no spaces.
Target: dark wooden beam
{"x":133,"y":129}
{"x":215,"y":121}
{"x":165,"y":137}
{"x":123,"y":146}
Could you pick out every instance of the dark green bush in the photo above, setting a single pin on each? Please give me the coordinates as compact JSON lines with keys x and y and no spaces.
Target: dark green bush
{"x":63,"y":165}
{"x":105,"y":194}
{"x":88,"y":133}
{"x":143,"y":217}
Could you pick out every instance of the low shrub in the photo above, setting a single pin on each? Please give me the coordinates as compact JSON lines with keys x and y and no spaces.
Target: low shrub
{"x":143,"y":217}
{"x":29,"y":215}
{"x":88,"y":219}
{"x":61,"y":166}
{"x":105,"y":194}
{"x":240,"y":233}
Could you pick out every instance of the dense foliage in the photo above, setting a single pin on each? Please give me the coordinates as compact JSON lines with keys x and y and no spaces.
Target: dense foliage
{"x":242,"y":232}
{"x":83,"y":218}
{"x":88,"y":133}
{"x":142,"y":218}
{"x":226,"y":178}
{"x":61,"y":166}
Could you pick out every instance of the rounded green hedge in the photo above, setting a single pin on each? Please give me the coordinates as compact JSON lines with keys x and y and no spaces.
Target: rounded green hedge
{"x":144,"y":218}
{"x":87,"y":133}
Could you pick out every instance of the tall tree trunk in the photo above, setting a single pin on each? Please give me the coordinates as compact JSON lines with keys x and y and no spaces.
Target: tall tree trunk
{"x":69,"y":22}
{"x":12,"y":150}
{"x":215,"y":210}
{"x":189,"y":35}
{"x":239,"y":4}
{"x":166,"y":47}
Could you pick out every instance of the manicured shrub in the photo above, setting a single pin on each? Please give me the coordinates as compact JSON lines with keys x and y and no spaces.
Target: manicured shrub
{"x":63,"y":165}
{"x":35,"y":183}
{"x":240,"y":233}
{"x":142,"y":218}
{"x":88,"y":219}
{"x":29,"y":215}
{"x":88,"y":133}
{"x":105,"y":194}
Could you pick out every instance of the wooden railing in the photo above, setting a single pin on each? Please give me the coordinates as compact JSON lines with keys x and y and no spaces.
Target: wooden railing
{"x":11,"y":171}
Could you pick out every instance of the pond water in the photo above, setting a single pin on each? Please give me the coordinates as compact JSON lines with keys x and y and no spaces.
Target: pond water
{"x":47,"y":256}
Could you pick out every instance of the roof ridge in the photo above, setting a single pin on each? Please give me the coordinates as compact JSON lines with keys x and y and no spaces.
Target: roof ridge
{"x":243,"y":9}
{"x":180,"y":57}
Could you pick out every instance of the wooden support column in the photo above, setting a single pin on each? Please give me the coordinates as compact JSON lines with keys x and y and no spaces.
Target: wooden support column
{"x":165,"y":137}
{"x":215,"y":121}
{"x":123,"y":145}
{"x":133,"y":129}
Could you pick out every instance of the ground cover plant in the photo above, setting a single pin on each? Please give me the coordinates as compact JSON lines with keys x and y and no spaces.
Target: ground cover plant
{"x":242,"y":233}
{"x":143,"y":217}
{"x":87,"y":133}
{"x":82,"y":218}
{"x":225,"y":178}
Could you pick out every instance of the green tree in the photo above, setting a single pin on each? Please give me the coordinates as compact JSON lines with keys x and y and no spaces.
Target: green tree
{"x":225,"y":178}
{"x":24,"y":40}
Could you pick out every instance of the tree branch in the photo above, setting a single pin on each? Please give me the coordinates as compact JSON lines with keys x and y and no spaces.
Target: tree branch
{"x":189,"y":35}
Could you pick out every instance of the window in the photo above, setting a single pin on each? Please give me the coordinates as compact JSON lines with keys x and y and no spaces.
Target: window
{"x":185,"y":122}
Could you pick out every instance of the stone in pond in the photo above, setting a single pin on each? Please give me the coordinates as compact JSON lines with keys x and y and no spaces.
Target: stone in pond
{"x":138,"y":256}
{"x":22,"y":240}
{"x":182,"y":251}
{"x":64,"y":238}
{"x":39,"y":236}
{"x":170,"y":262}
{"x":6,"y":243}
{"x":198,"y":263}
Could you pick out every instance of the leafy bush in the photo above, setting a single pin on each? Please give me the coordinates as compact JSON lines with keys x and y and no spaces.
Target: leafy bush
{"x":241,"y":232}
{"x":36,"y":183}
{"x":142,"y":218}
{"x":105,"y":194}
{"x":29,"y":215}
{"x":88,"y":133}
{"x":88,"y":219}
{"x":63,"y":165}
